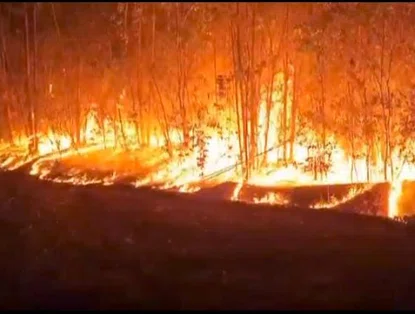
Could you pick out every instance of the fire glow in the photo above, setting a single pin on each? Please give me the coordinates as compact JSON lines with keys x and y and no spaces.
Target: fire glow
{"x":187,"y":172}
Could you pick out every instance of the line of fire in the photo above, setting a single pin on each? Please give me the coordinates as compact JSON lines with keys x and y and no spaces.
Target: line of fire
{"x":301,"y":104}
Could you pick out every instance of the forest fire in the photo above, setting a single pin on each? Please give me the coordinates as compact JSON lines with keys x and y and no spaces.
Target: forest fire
{"x":265,"y":108}
{"x":185,"y":172}
{"x":237,"y":148}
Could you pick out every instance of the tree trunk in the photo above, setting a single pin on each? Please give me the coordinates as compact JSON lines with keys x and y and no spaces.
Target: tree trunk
{"x":293,"y":124}
{"x":122,"y":129}
{"x":285,"y":109}
{"x":181,"y":76}
{"x":270,"y":89}
{"x":35,"y":74}
{"x":78,"y":111}
{"x":215,"y":69}
{"x":29,"y":78}
{"x":253,"y":103}
{"x":7,"y":88}
{"x":139,"y":131}
{"x":369,"y":151}
{"x":243,"y":92}
{"x":385,"y":113}
{"x":153,"y":35}
{"x":237,"y":94}
{"x":165,"y":124}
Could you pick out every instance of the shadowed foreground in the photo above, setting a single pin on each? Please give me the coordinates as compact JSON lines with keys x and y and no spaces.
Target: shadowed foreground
{"x":112,"y":247}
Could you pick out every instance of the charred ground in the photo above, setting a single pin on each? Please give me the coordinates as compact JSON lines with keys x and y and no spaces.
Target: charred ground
{"x":114,"y":247}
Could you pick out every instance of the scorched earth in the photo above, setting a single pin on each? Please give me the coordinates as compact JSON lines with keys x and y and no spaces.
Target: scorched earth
{"x":92,"y":247}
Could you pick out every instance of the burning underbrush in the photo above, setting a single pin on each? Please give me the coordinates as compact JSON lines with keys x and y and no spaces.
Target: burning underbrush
{"x":151,"y":166}
{"x":107,"y":166}
{"x":140,"y":168}
{"x":12,"y":157}
{"x":219,"y":155}
{"x":361,"y":198}
{"x":290,"y":185}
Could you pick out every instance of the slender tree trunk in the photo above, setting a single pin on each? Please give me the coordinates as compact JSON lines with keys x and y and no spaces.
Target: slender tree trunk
{"x":139,"y":131}
{"x":354,"y":171}
{"x":270,"y":89}
{"x":78,"y":111}
{"x":181,"y":77}
{"x":285,"y":109}
{"x":369,"y":152}
{"x":29,"y":99}
{"x":153,"y":35}
{"x":253,"y":116}
{"x":269,"y":103}
{"x":35,"y":74}
{"x":7,"y":88}
{"x":323,"y":143}
{"x":237,"y":98}
{"x":122,"y":129}
{"x":293,"y":124}
{"x":165,"y":124}
{"x":386,"y":115}
{"x":153,"y":55}
{"x":215,"y":69}
{"x":323,"y":109}
{"x":244,"y":92}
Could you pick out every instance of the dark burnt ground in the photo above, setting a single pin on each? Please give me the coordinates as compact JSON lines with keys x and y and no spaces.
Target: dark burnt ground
{"x":113,"y":247}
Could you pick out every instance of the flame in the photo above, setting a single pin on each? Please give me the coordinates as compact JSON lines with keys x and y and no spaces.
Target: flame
{"x":394,"y":196}
{"x":53,"y":142}
{"x":334,"y":201}
{"x":405,"y":173}
{"x":273,"y":199}
{"x":236,"y":192}
{"x":213,"y":155}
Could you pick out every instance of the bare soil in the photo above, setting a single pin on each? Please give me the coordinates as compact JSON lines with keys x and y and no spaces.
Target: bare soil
{"x":95,"y":247}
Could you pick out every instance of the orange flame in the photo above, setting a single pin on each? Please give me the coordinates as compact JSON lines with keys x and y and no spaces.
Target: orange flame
{"x":273,"y":199}
{"x":219,"y":152}
{"x":334,"y":201}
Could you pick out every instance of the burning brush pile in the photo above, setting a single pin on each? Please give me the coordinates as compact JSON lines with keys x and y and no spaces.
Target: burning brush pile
{"x":220,"y":155}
